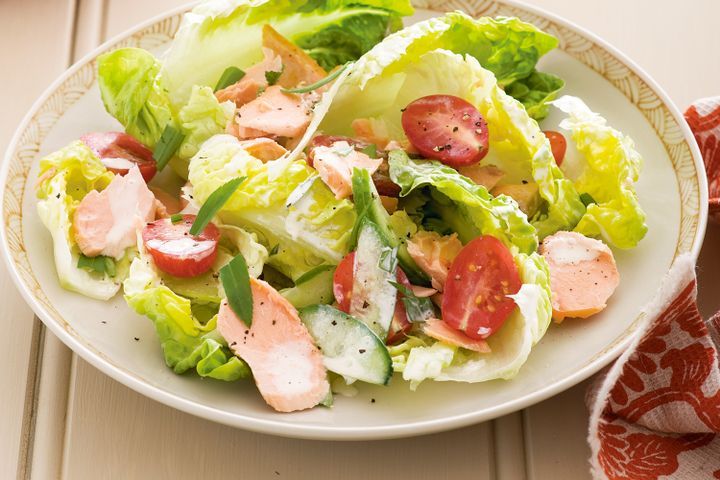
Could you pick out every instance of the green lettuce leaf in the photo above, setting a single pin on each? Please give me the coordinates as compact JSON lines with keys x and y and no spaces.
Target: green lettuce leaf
{"x":66,"y":176}
{"x":133,"y":92}
{"x":466,"y":207}
{"x":186,"y":342}
{"x":535,"y":91}
{"x":389,"y":75}
{"x":200,"y":119}
{"x":408,"y":65}
{"x":520,"y":149}
{"x":312,"y":231}
{"x":421,"y":358}
{"x":609,"y":169}
{"x":222,"y":33}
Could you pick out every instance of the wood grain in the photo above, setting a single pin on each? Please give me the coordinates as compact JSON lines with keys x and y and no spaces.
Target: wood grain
{"x":36,"y":38}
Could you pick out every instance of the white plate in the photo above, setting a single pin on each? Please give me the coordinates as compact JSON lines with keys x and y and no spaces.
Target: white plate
{"x":672,"y":190}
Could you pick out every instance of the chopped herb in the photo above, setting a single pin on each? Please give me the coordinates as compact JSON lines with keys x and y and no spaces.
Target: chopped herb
{"x":176,"y":218}
{"x":214,"y":203}
{"x":168,"y":144}
{"x":99,"y":264}
{"x":236,"y":283}
{"x":274,"y":250}
{"x":388,"y":260}
{"x":370,"y":150}
{"x":319,"y":83}
{"x":230,"y":76}
{"x":312,"y":273}
{"x":300,"y":191}
{"x":417,"y":309}
{"x":272,"y":77}
{"x":587,"y":199}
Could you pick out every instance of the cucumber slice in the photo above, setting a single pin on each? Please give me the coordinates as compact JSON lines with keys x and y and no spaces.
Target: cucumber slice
{"x":373,"y":297}
{"x":315,"y":287}
{"x":348,"y":346}
{"x":368,"y":206}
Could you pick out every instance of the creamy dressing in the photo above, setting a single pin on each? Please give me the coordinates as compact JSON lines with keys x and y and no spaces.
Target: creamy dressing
{"x":117,"y":163}
{"x":567,"y":250}
{"x":180,"y":246}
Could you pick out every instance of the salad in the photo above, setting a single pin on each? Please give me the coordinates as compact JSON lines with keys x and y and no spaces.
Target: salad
{"x":309,"y":195}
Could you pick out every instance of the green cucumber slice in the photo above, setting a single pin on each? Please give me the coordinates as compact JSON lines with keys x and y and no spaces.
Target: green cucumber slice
{"x":374,"y":297}
{"x":348,"y":346}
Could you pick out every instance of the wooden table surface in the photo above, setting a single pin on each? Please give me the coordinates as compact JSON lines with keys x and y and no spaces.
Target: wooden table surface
{"x":62,"y":418}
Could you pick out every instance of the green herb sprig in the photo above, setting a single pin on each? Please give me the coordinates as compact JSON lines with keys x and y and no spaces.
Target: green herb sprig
{"x":236,"y":283}
{"x":214,"y":203}
{"x":320,"y":83}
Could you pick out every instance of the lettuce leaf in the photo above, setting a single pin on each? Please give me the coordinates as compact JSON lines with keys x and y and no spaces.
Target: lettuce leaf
{"x":66,"y":176}
{"x":520,"y":149}
{"x":535,"y":92}
{"x":466,"y":207}
{"x":220,"y":33}
{"x":133,"y":92}
{"x":507,"y":47}
{"x":186,"y":342}
{"x":609,"y":168}
{"x":408,"y":65}
{"x":421,"y":358}
{"x":312,"y":231}
{"x":200,"y":119}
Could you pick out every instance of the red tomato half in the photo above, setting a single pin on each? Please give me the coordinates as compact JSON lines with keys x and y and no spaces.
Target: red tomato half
{"x":342,"y":288}
{"x":118,"y":151}
{"x":177,"y":252}
{"x":343,"y":282}
{"x":558,"y":144}
{"x":446,"y":128}
{"x":480,"y":278}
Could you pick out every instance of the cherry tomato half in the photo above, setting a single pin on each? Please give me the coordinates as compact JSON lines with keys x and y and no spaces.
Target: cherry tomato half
{"x":558,"y":144}
{"x":118,"y":151}
{"x":480,"y":278}
{"x":177,"y":252}
{"x":342,"y":288}
{"x":446,"y":128}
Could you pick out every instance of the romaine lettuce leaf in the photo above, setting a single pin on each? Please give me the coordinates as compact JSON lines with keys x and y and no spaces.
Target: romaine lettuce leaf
{"x":421,"y":358}
{"x":520,"y":149}
{"x":200,"y":119}
{"x":314,"y":230}
{"x":401,"y":69}
{"x":609,"y":168}
{"x":535,"y":91}
{"x":221,"y":33}
{"x":466,"y":207}
{"x":507,"y":47}
{"x":66,"y":176}
{"x":186,"y":342}
{"x":134,"y":93}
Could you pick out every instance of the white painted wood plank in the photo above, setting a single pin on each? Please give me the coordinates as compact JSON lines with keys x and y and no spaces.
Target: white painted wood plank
{"x":117,"y":433}
{"x":55,"y":366}
{"x":35,"y":35}
{"x":509,"y":447}
{"x":555,"y":432}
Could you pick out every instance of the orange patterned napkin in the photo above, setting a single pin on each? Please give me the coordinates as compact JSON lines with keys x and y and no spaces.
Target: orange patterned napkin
{"x":656,"y":412}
